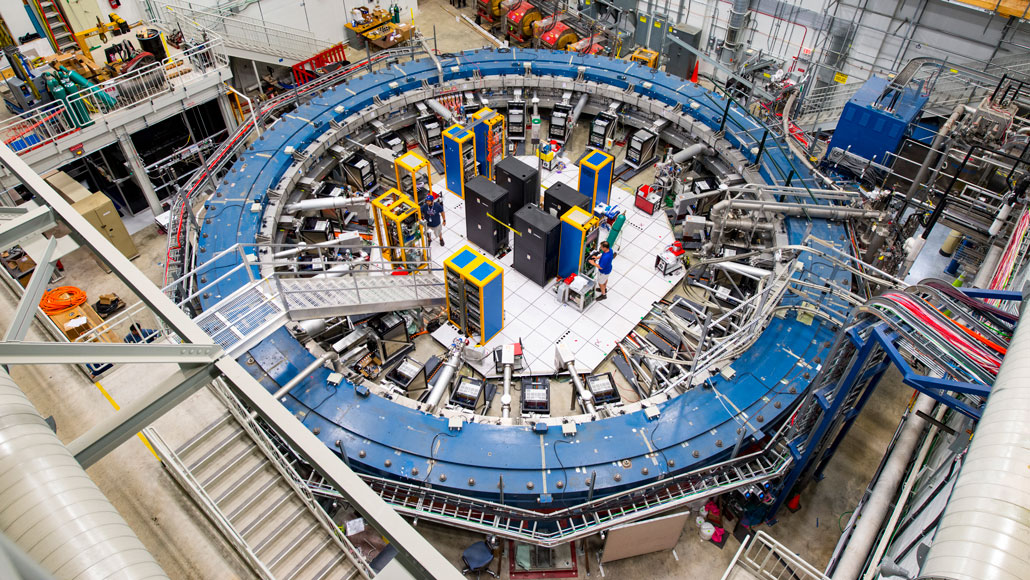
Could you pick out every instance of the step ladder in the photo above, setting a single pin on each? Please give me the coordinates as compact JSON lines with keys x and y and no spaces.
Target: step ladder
{"x":252,"y":495}
{"x":61,"y":35}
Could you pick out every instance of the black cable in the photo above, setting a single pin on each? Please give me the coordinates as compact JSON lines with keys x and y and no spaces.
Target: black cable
{"x":565,"y":474}
{"x":665,"y":467}
{"x":432,"y":453}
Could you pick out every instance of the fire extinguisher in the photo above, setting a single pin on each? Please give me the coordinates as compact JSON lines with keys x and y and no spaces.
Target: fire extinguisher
{"x":115,"y":3}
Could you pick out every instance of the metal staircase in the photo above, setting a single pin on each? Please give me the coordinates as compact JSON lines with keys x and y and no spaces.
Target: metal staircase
{"x":253,"y":496}
{"x":61,"y":35}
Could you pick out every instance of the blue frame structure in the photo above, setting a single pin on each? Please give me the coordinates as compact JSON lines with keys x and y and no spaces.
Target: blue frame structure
{"x":874,"y":351}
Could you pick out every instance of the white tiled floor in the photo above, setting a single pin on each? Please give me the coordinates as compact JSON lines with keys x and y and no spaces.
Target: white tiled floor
{"x":535,"y":315}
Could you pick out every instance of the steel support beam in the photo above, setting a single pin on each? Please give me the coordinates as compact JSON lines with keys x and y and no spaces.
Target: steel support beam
{"x":48,"y":353}
{"x":29,"y":221}
{"x":26,"y":308}
{"x":108,"y":434}
{"x":139,"y":171}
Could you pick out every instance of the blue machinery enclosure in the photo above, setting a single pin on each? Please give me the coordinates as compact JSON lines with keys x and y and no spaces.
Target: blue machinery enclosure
{"x":383,"y":438}
{"x":459,"y":158}
{"x":871,"y":128}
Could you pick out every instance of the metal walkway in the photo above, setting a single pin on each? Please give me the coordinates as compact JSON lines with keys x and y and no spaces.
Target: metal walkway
{"x":252,"y":495}
{"x":250,"y":37}
{"x":308,"y":298}
{"x":253,"y":312}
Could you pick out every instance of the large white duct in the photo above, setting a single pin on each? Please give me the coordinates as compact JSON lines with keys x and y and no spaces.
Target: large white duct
{"x":985,"y":529}
{"x":52,"y":509}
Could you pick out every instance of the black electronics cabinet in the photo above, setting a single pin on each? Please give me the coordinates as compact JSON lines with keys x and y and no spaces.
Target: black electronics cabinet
{"x":483,"y":199}
{"x":560,"y":198}
{"x":536,"y":250}
{"x":521,"y":181}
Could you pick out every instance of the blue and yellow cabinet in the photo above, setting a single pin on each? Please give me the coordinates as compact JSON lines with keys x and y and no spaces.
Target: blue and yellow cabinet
{"x":475,"y":294}
{"x":459,"y":158}
{"x":579,"y":237}
{"x":595,"y":177}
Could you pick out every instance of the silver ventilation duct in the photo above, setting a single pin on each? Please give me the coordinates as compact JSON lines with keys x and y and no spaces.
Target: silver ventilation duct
{"x":52,"y":509}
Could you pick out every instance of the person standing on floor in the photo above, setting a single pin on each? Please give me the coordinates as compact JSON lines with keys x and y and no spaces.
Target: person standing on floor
{"x":603,"y":263}
{"x":433,"y":213}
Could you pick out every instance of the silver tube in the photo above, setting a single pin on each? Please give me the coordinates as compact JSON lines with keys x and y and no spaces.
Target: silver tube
{"x":931,"y":155}
{"x":578,"y":110}
{"x":443,"y":381}
{"x":506,"y":398}
{"x":52,"y":509}
{"x":877,"y":506}
{"x":586,"y":398}
{"x":319,"y":203}
{"x":688,"y":153}
{"x":304,"y":374}
{"x":990,"y":263}
{"x":985,"y":529}
{"x":441,"y":110}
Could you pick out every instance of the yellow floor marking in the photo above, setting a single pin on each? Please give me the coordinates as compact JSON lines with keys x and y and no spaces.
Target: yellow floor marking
{"x":114,"y":404}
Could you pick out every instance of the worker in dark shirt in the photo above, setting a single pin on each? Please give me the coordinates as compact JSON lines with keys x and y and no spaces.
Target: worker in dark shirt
{"x":433,"y":213}
{"x":603,"y":263}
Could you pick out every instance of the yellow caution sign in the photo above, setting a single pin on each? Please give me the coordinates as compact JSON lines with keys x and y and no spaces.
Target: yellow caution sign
{"x":840,"y":77}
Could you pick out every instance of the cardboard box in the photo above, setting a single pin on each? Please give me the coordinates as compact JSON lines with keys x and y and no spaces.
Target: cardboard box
{"x":107,"y":299}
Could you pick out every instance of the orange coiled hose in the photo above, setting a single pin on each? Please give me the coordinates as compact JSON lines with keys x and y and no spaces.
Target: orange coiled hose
{"x":61,"y":299}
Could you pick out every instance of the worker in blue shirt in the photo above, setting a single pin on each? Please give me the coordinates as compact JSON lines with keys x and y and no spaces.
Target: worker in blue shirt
{"x":433,"y":213}
{"x":603,"y":263}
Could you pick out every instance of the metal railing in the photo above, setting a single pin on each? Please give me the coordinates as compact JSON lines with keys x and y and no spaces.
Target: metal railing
{"x":179,"y":257}
{"x":590,"y":517}
{"x":38,"y":127}
{"x":946,"y":86}
{"x":765,"y":558}
{"x":241,"y":32}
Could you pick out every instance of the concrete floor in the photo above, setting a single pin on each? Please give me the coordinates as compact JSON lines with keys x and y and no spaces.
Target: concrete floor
{"x":187,"y":546}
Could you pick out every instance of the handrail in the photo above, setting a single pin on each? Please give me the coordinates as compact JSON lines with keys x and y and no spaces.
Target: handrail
{"x":179,"y":228}
{"x":242,"y":31}
{"x":53,"y":121}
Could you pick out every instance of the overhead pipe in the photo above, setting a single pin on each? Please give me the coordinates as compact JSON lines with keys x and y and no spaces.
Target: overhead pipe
{"x":880,"y":500}
{"x":443,"y":380}
{"x":985,"y":529}
{"x":52,"y":509}
{"x":320,"y":203}
{"x":439,"y":109}
{"x":688,"y":153}
{"x":720,"y":211}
